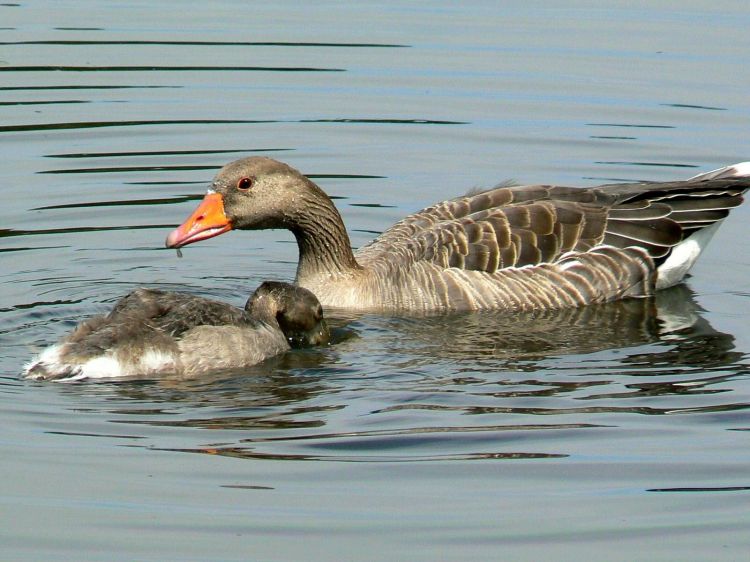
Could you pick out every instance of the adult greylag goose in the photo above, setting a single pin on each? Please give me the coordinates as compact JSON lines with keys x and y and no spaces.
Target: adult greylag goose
{"x":518,"y":248}
{"x":154,"y":332}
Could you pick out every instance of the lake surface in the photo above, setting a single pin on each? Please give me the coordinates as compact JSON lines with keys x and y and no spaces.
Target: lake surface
{"x":618,"y":432}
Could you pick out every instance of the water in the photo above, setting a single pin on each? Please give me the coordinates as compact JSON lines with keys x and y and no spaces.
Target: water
{"x":618,"y":432}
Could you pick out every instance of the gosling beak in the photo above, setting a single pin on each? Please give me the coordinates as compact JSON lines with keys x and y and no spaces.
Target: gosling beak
{"x":322,"y":335}
{"x":207,"y":221}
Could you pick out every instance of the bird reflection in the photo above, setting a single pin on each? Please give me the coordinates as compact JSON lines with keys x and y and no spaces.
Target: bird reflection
{"x":289,"y":378}
{"x":454,"y":387}
{"x":672,"y":319}
{"x":612,"y":358}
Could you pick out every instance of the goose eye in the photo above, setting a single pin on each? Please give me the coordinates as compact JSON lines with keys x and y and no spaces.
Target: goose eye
{"x":244,"y":184}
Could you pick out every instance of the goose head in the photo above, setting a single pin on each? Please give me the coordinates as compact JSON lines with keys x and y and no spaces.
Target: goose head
{"x":248,"y":194}
{"x":297,"y":311}
{"x":262,"y":193}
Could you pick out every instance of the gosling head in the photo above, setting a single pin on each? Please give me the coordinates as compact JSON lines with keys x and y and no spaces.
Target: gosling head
{"x":297,"y":311}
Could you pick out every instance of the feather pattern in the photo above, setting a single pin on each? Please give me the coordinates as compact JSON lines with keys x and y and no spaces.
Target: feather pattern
{"x":509,"y":248}
{"x":154,"y":332}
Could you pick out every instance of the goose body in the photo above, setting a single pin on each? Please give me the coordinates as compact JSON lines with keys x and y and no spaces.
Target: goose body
{"x":519,"y":248}
{"x":152,"y":332}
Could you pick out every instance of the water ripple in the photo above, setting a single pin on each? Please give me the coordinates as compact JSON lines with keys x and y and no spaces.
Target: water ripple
{"x":689,"y":106}
{"x":205,"y":43}
{"x":162,"y":152}
{"x":140,"y":123}
{"x":644,"y":410}
{"x":123,"y":203}
{"x":245,"y":453}
{"x":53,"y":102}
{"x":631,"y":125}
{"x":155,"y":68}
{"x":130,"y":169}
{"x":133,"y":123}
{"x":656,"y":164}
{"x":88,"y":87}
{"x":703,"y":489}
{"x":9,"y":232}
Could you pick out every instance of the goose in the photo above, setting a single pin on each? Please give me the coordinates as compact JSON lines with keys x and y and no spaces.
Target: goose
{"x":510,"y":248}
{"x":154,"y":332}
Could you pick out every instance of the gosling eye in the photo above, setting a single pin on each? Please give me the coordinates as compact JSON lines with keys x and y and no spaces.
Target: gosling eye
{"x":246,"y":183}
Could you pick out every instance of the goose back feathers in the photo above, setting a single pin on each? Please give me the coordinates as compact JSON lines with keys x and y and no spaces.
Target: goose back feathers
{"x":515,"y":248}
{"x":154,"y":332}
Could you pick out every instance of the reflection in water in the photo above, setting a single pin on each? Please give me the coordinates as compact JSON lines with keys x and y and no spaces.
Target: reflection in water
{"x":284,"y":381}
{"x":246,"y":453}
{"x":655,"y":356}
{"x":671,"y":317}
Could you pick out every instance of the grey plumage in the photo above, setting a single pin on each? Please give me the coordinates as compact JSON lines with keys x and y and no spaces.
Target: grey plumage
{"x":150,"y":332}
{"x":510,"y":248}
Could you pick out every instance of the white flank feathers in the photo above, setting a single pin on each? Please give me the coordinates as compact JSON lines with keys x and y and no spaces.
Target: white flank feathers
{"x":683,"y":256}
{"x":49,"y":359}
{"x":155,"y":361}
{"x":104,"y":367}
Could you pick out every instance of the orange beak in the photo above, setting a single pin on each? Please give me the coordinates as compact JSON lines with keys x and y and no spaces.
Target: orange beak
{"x":207,"y":221}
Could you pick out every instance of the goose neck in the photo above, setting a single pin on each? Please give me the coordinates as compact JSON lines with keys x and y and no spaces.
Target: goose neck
{"x":324,"y":245}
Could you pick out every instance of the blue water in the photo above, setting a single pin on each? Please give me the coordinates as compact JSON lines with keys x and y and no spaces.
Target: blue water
{"x":613,"y":433}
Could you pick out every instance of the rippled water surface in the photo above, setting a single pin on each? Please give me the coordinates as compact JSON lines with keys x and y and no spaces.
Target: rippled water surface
{"x":617,"y":432}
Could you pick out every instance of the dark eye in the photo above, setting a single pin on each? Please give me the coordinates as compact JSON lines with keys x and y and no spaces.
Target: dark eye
{"x":245,"y":183}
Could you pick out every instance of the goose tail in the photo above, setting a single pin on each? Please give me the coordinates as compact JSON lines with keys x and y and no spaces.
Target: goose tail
{"x":739,"y":170}
{"x":684,"y":255}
